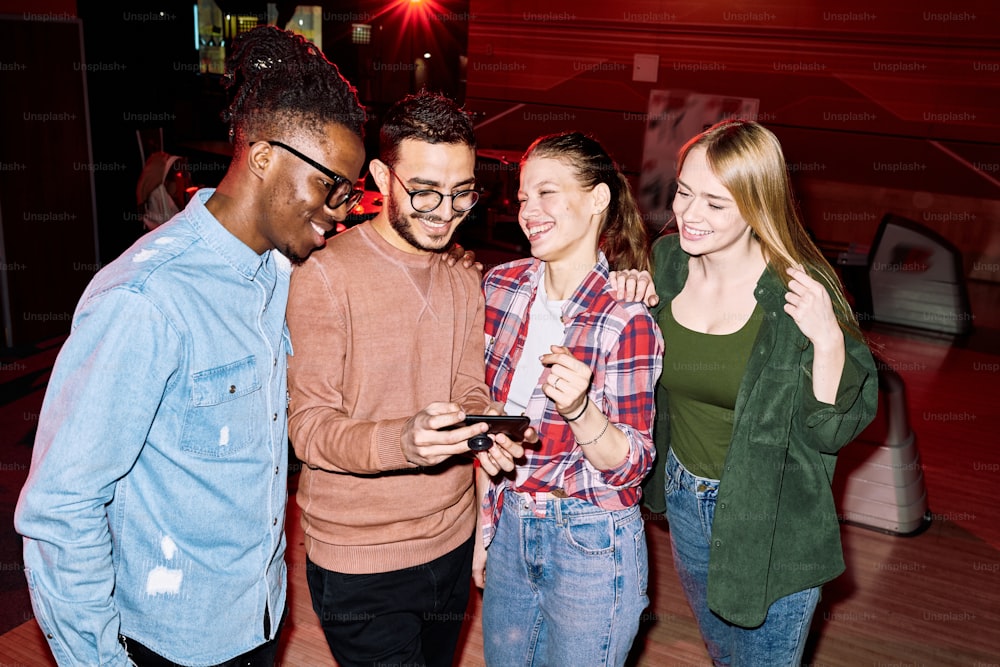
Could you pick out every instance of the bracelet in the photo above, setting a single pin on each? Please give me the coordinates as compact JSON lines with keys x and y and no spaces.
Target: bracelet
{"x":607,"y":420}
{"x":585,"y":404}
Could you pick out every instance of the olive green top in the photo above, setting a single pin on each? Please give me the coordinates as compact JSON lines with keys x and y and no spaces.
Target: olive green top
{"x":702,"y":374}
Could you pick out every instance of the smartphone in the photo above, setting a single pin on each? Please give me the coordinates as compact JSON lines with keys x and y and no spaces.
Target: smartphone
{"x":511,"y":426}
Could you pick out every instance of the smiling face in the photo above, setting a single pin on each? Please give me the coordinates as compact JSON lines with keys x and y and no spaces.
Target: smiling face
{"x":296,"y":217}
{"x":447,"y":168}
{"x":560,"y":218}
{"x":707,"y":216}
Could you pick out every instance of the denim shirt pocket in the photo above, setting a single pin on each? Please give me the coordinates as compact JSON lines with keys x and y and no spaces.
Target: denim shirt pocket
{"x":225,"y":403}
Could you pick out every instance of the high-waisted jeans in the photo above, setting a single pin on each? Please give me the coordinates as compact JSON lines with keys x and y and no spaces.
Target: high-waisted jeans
{"x":565,"y":583}
{"x":780,"y":640}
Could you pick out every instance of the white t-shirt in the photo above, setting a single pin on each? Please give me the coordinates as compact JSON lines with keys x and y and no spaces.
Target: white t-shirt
{"x":545,"y":328}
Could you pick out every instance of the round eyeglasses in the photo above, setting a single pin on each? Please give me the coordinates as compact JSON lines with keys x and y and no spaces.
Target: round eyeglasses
{"x":342,"y":189}
{"x":425,"y":201}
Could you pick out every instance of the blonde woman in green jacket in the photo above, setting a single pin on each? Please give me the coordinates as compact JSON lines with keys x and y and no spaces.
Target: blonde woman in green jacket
{"x":765,"y":377}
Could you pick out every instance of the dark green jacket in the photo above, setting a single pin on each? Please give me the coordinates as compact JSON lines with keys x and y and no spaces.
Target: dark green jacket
{"x":775,"y":530}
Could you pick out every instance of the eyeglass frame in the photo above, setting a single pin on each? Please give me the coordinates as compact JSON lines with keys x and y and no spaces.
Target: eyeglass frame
{"x":352,"y":197}
{"x":441,"y":196}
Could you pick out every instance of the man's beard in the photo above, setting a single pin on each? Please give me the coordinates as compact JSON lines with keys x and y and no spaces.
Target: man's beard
{"x":404,"y":227}
{"x":293,"y":257}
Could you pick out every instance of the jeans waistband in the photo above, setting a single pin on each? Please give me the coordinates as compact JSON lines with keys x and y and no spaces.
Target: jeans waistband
{"x":685,"y":479}
{"x":545,"y":504}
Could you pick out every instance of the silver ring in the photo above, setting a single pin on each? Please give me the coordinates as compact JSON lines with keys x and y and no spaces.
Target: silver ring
{"x":555,"y":383}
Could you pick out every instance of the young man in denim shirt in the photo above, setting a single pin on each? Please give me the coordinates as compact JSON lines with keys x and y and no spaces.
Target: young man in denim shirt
{"x":153,"y":514}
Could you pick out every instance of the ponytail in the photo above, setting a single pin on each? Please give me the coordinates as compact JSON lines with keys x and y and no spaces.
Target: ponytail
{"x":623,"y":238}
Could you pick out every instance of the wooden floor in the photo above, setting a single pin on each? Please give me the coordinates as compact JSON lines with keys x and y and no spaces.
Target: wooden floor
{"x":928,"y":600}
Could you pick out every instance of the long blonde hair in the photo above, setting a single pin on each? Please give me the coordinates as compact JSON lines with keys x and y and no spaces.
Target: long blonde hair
{"x":747,"y":158}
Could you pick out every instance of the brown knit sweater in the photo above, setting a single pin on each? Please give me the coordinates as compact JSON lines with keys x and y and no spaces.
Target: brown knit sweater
{"x":377,"y":335}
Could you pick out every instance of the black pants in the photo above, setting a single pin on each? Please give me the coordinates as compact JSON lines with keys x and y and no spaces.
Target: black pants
{"x":264,"y":655}
{"x":410,"y":617}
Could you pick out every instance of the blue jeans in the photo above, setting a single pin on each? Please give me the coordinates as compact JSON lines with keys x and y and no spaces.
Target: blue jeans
{"x":565,"y":583}
{"x":781,"y":639}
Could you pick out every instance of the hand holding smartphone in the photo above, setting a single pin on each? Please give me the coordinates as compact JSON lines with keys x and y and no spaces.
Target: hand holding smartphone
{"x":511,"y":426}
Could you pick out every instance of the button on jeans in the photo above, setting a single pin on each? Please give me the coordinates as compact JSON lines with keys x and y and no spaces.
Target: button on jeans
{"x":565,"y":583}
{"x":781,"y":639}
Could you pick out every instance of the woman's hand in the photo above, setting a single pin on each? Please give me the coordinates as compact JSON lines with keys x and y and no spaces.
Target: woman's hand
{"x":568,"y":381}
{"x":503,"y":455}
{"x":809,"y":305}
{"x":479,"y":560}
{"x":633,"y":285}
{"x":457,"y":253}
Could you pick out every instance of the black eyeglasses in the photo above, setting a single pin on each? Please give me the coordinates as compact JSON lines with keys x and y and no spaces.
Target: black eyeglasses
{"x":425,"y":201}
{"x":342,"y":189}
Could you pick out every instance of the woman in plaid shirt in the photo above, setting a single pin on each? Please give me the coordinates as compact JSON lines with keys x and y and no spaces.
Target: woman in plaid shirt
{"x":565,"y":581}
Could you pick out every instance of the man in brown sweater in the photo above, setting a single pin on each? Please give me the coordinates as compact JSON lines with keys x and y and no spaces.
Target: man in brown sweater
{"x":388,"y":349}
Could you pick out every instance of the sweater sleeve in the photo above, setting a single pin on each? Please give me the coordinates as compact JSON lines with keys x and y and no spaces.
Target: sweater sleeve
{"x":470,"y":390}
{"x":322,"y":432}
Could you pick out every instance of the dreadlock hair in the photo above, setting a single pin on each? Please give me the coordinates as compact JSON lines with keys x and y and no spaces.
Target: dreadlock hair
{"x":428,"y":117}
{"x":748,"y":160}
{"x":623,"y":236}
{"x":278,"y":81}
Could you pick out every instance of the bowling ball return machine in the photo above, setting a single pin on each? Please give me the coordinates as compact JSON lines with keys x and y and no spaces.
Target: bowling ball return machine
{"x":910,"y":279}
{"x":879,"y":481}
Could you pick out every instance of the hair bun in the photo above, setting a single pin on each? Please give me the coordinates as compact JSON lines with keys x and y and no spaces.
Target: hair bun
{"x":263,"y":62}
{"x":272,"y":72}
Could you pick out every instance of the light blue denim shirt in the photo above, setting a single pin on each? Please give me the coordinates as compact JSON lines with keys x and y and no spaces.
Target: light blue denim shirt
{"x":155,"y":502}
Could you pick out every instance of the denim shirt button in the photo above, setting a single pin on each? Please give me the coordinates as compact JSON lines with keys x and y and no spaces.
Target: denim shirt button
{"x":275,"y":522}
{"x":232,"y":389}
{"x":274,"y":417}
